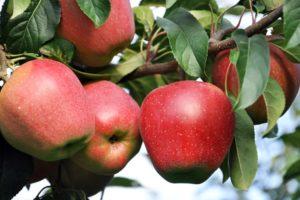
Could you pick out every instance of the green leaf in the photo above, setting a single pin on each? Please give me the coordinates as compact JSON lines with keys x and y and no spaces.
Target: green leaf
{"x":292,"y":172}
{"x":252,"y":66}
{"x":145,"y":17}
{"x":225,"y":168}
{"x":4,"y":17}
{"x":291,"y":13}
{"x":123,"y":69}
{"x":170,"y":3}
{"x":273,"y":132}
{"x":188,"y":40}
{"x":204,"y":17}
{"x":153,"y":2}
{"x":30,"y":30}
{"x":243,"y":154}
{"x":292,"y":53}
{"x":114,"y":73}
{"x":141,"y":87}
{"x":15,"y":170}
{"x":192,"y":4}
{"x":59,"y":49}
{"x":292,"y":139}
{"x":275,"y":103}
{"x":271,"y":4}
{"x":124,"y":182}
{"x":96,"y":10}
{"x":17,"y":7}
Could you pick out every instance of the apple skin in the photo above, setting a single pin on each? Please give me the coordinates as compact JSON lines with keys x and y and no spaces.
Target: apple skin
{"x":116,"y":139}
{"x":97,"y":46}
{"x":74,"y":177}
{"x":187,"y":128}
{"x":281,"y":69}
{"x":44,"y":111}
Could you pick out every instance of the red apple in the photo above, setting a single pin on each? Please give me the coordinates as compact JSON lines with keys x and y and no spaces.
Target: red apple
{"x":187,"y":128}
{"x":44,"y":111}
{"x":282,"y":70}
{"x":116,"y":139}
{"x":97,"y":46}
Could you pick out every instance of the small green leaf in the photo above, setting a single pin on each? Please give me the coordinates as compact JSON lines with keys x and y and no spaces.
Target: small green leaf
{"x":170,"y":3}
{"x":115,"y":73}
{"x":188,"y":40}
{"x":192,"y":4}
{"x":123,"y":69}
{"x":273,"y":132}
{"x":153,"y":2}
{"x":17,"y":7}
{"x":30,"y":30}
{"x":252,"y":66}
{"x":145,"y":17}
{"x":292,"y":139}
{"x":243,"y":154}
{"x":141,"y":87}
{"x":275,"y":103}
{"x":292,"y":53}
{"x":59,"y":49}
{"x":291,"y":13}
{"x":124,"y":182}
{"x":204,"y":17}
{"x":234,"y":56}
{"x":271,"y":4}
{"x":225,"y":168}
{"x":4,"y":17}
{"x":97,"y":10}
{"x":292,"y":172}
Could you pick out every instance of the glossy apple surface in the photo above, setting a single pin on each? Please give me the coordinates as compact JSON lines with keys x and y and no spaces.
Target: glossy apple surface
{"x":97,"y":46}
{"x":187,"y":128}
{"x":44,"y":111}
{"x":281,"y":69}
{"x":116,"y":139}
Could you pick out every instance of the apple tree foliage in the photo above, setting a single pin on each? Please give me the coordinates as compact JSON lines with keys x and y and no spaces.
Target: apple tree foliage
{"x":179,"y":45}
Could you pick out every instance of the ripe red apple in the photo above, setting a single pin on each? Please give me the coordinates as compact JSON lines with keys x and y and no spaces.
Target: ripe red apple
{"x":97,"y":46}
{"x":44,"y":111}
{"x":187,"y":128}
{"x":116,"y":139}
{"x":74,"y":177}
{"x":282,"y":70}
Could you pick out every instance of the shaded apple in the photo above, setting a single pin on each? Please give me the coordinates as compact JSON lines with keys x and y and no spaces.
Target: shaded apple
{"x":97,"y":46}
{"x":44,"y":111}
{"x":74,"y":177}
{"x":187,"y":128}
{"x":281,"y":69}
{"x":116,"y":139}
{"x":43,"y":170}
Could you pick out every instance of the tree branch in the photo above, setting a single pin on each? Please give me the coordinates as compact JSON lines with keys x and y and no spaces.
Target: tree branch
{"x":251,"y":30}
{"x":163,"y":68}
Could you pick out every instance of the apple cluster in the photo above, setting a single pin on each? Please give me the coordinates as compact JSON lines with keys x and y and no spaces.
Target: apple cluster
{"x":84,"y":134}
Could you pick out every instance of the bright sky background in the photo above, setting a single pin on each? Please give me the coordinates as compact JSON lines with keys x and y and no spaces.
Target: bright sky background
{"x":142,"y":170}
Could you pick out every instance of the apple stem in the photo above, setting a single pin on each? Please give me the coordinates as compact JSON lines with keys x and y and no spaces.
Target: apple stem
{"x":252,"y":12}
{"x":212,"y":26}
{"x":182,"y":74}
{"x":102,"y":194}
{"x":221,"y":34}
{"x":215,"y":47}
{"x":153,"y":36}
